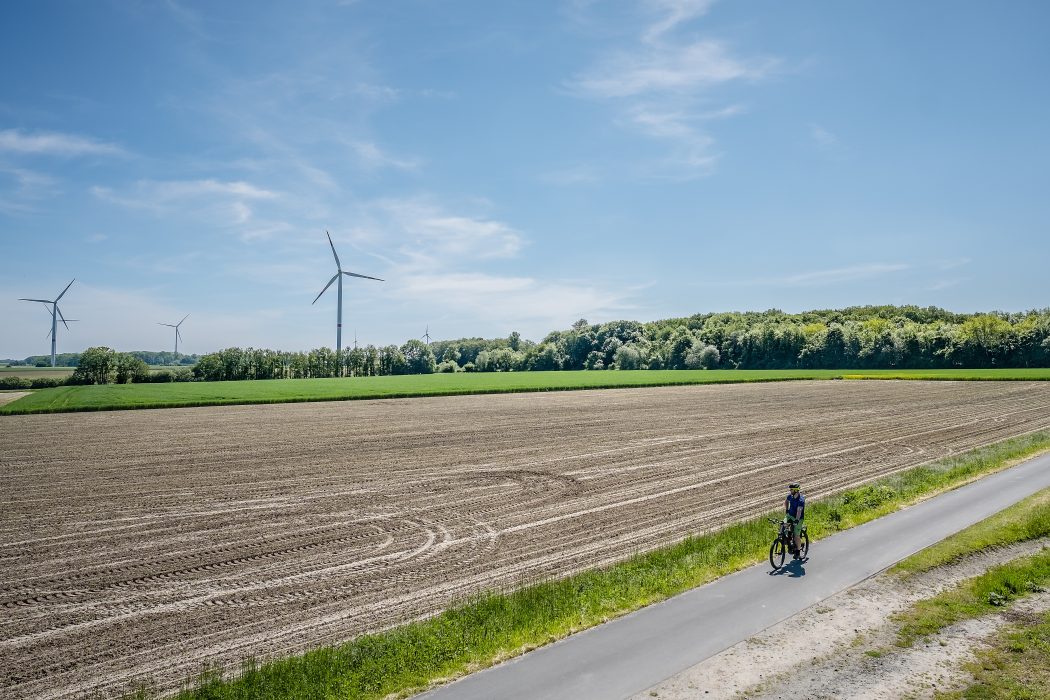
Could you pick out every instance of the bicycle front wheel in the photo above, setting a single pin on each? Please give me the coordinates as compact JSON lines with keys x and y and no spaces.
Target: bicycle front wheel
{"x":804,"y":539}
{"x":777,"y":553}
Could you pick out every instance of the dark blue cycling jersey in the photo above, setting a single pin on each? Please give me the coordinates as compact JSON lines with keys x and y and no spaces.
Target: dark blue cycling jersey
{"x":796,"y":505}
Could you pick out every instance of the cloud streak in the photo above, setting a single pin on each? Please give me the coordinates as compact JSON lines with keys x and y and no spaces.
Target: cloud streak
{"x":672,"y":68}
{"x":839,"y":274}
{"x":660,"y":83}
{"x":52,"y":143}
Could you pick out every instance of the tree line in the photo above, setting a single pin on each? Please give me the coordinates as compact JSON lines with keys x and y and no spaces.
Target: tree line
{"x":72,"y":359}
{"x":870,"y":337}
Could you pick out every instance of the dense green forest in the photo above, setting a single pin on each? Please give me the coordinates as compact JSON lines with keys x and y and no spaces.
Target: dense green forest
{"x":870,"y":337}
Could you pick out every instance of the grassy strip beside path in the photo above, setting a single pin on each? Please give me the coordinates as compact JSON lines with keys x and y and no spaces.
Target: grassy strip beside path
{"x":494,"y":627}
{"x":1017,"y":667}
{"x":1024,"y":521}
{"x":975,"y":597}
{"x":171,"y":395}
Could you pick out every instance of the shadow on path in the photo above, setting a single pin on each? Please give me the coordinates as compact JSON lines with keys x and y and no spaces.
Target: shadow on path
{"x":793,"y":569}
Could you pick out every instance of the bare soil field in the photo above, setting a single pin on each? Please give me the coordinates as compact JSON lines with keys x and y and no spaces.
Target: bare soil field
{"x":144,"y":543}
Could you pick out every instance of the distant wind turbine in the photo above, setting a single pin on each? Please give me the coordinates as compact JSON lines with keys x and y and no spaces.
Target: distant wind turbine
{"x":56,"y":314}
{"x":427,"y":334}
{"x":339,"y":308}
{"x":178,"y":333}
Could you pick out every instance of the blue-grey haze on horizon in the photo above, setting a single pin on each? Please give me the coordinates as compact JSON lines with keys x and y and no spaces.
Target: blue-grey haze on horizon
{"x":511,"y":166}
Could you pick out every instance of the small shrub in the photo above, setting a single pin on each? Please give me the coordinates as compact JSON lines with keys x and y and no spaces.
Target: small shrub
{"x":162,"y":376}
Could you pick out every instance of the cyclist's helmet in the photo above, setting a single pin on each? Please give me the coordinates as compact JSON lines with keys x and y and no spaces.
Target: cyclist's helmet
{"x":794,"y":486}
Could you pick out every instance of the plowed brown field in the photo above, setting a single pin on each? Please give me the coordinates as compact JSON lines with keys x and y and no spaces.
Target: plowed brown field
{"x":144,"y":543}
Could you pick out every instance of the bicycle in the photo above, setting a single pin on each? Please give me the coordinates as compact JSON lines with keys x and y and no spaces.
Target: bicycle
{"x":784,"y":543}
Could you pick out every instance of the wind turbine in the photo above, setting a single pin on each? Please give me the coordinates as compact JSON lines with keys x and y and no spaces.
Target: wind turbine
{"x":56,"y":314}
{"x":427,"y":334}
{"x":339,"y":308}
{"x":178,"y":333}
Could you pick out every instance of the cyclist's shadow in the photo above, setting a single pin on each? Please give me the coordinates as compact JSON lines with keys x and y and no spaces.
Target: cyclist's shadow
{"x":793,"y":569}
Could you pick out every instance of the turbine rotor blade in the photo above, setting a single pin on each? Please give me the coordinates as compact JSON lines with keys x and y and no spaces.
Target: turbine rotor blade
{"x":42,"y":301}
{"x":64,"y":323}
{"x":66,"y":289}
{"x":178,"y":333}
{"x":354,"y":274}
{"x":334,"y":278}
{"x":182,"y":321}
{"x":169,"y":325}
{"x":338,"y":264}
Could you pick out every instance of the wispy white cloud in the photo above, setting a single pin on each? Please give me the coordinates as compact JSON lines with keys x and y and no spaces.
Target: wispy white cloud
{"x":692,"y":155}
{"x":572,"y":175}
{"x":839,"y":274}
{"x":824,"y":138}
{"x":673,"y":13}
{"x":436,"y":258}
{"x":424,"y":230}
{"x":150,"y":194}
{"x":372,"y":156}
{"x":53,"y":143}
{"x":662,"y":83}
{"x":951,"y":263}
{"x":228,"y":203}
{"x":669,"y":68}
{"x":938,"y":285}
{"x":526,"y":303}
{"x":21,"y":188}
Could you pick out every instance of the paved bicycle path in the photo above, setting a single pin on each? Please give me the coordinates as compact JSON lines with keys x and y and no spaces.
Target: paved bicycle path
{"x":635,"y":652}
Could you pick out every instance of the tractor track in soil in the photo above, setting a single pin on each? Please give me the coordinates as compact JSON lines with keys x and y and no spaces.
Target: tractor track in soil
{"x":144,"y":543}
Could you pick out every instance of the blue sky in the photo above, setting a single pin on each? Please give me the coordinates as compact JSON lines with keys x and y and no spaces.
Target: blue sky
{"x":513,"y":165}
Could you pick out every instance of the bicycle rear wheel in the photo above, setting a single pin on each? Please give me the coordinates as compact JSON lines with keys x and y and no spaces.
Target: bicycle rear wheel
{"x":777,"y":553}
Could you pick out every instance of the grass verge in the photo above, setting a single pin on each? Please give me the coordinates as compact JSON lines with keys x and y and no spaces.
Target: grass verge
{"x":1017,"y":667}
{"x":974,"y":597}
{"x":494,"y":627}
{"x":111,"y":397}
{"x":1024,"y":521}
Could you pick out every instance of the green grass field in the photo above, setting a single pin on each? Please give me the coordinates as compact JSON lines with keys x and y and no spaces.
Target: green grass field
{"x":498,"y":626}
{"x":169,"y":395}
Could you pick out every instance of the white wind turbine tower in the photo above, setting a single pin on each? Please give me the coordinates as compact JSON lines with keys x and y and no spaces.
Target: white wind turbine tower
{"x":178,"y":333}
{"x":339,"y":308}
{"x":427,"y":334}
{"x":56,"y":314}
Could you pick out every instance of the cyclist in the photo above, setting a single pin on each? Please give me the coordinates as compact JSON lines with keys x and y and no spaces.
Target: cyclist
{"x":795,"y":513}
